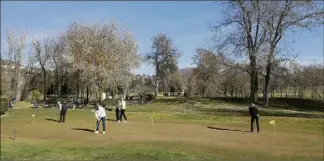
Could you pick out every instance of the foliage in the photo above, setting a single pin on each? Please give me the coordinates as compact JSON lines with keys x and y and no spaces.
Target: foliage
{"x":150,"y":96}
{"x":164,"y":57}
{"x":104,"y":53}
{"x":36,"y":95}
{"x":109,"y":102}
{"x":3,"y":106}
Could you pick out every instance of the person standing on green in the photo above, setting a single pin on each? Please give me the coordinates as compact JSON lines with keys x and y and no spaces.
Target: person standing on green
{"x":254,"y":113}
{"x":118,"y":110}
{"x":123,"y":109}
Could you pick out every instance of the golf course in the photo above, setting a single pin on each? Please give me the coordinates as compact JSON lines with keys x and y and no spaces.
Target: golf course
{"x":165,"y":129}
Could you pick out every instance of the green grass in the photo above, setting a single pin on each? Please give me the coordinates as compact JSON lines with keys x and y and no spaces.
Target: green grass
{"x":139,"y":151}
{"x":182,"y":131}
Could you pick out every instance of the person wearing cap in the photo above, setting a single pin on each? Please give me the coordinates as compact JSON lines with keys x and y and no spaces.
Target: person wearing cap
{"x":123,"y":109}
{"x":63,"y":110}
{"x":100,"y":113}
{"x":254,"y":113}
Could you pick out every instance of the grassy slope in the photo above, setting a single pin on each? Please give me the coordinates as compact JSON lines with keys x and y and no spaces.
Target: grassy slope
{"x":180,"y":133}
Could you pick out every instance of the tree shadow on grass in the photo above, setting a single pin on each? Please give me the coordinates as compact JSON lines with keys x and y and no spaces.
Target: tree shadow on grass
{"x":241,"y":112}
{"x":83,"y":129}
{"x":297,"y":104}
{"x":225,"y":129}
{"x":53,"y":120}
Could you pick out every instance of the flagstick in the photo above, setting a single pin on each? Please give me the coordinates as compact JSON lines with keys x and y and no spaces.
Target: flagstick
{"x":152,"y":121}
{"x":33,"y":121}
{"x":275,"y":132}
{"x":14,"y":134}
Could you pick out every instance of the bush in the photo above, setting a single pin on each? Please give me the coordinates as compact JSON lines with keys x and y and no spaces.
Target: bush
{"x":36,"y":95}
{"x":3,"y":106}
{"x":108,"y":102}
{"x":150,"y":96}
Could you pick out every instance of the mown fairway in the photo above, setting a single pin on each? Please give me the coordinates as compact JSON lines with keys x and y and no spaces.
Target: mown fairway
{"x":180,"y":131}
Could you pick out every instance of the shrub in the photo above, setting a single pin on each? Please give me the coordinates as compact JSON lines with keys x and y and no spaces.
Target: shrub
{"x":36,"y":95}
{"x":3,"y":106}
{"x":150,"y":96}
{"x":108,"y":102}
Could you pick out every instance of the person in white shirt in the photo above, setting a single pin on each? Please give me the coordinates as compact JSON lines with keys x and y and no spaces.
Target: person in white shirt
{"x":123,"y":109}
{"x":100,"y":113}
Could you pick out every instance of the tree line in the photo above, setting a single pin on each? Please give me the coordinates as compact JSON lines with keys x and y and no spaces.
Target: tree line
{"x":89,"y":59}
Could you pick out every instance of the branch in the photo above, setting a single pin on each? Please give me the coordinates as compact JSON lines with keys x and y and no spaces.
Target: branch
{"x":307,"y":16}
{"x":228,"y":63}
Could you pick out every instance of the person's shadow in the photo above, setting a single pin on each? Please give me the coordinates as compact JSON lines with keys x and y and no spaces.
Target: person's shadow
{"x":112,"y":120}
{"x":53,"y":120}
{"x":225,"y":129}
{"x":83,"y":129}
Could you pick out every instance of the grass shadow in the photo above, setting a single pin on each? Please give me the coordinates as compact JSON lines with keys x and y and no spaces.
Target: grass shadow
{"x":177,"y":100}
{"x":225,"y":129}
{"x":241,"y":112}
{"x":83,"y":129}
{"x":297,"y":104}
{"x":53,"y":120}
{"x":112,"y":120}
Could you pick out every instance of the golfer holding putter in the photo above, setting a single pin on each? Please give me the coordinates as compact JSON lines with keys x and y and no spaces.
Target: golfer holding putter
{"x":100,"y":113}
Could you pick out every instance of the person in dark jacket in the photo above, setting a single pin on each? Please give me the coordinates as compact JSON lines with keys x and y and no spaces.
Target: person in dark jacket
{"x":254,"y":113}
{"x":118,"y":110}
{"x":63,"y":110}
{"x":35,"y":104}
{"x":10,"y":104}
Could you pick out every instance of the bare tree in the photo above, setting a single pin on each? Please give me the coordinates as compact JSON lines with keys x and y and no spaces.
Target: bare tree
{"x":187,"y":80}
{"x":164,"y":57}
{"x":42,"y":54}
{"x":247,"y":38}
{"x":16,"y":47}
{"x":30,"y":76}
{"x":59,"y":45}
{"x":283,"y":16}
{"x":207,"y":71}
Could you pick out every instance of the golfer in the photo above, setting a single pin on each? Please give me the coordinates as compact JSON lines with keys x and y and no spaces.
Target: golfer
{"x":123,"y":109}
{"x":100,"y":113}
{"x":118,"y":110}
{"x":254,"y":113}
{"x":63,"y":110}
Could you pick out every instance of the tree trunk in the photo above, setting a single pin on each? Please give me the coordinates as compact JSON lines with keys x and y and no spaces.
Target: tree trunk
{"x":87,"y":93}
{"x":57,"y":83}
{"x":78,"y":85}
{"x":242,"y":94}
{"x":236,"y":91}
{"x":17,"y":84}
{"x":253,"y":78}
{"x":156,"y":88}
{"x":225,"y":91}
{"x":45,"y":84}
{"x":316,"y":93}
{"x":266,"y":85}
